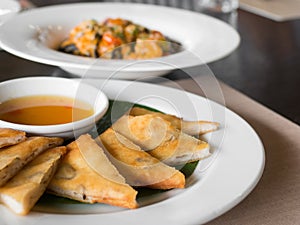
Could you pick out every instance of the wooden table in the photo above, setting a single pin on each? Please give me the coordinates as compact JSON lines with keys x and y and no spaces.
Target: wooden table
{"x":260,"y":82}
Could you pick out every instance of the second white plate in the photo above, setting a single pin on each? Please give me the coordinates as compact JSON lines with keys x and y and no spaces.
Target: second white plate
{"x":36,"y":33}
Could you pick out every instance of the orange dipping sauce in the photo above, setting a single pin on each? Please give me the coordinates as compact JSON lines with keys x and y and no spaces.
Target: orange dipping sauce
{"x":44,"y":110}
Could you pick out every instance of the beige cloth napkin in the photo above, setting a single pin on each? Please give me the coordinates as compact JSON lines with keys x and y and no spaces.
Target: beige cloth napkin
{"x":276,"y":198}
{"x":279,"y":10}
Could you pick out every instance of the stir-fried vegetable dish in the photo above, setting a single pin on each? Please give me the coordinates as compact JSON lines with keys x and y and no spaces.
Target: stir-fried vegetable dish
{"x":117,"y":39}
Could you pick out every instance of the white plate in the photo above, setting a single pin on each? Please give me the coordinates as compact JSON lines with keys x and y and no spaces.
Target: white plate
{"x":8,"y":8}
{"x":33,"y":35}
{"x":217,"y":185}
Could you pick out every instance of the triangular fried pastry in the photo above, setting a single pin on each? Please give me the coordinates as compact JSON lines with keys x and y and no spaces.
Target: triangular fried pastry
{"x":161,"y":140}
{"x":75,"y":179}
{"x":147,"y":131}
{"x":22,"y":191}
{"x":137,"y":166}
{"x":189,"y":127}
{"x":10,"y":136}
{"x":180,"y":150}
{"x":13,"y":158}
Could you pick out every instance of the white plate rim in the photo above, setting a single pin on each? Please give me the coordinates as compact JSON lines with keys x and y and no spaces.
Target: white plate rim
{"x":39,"y":53}
{"x":168,"y":211}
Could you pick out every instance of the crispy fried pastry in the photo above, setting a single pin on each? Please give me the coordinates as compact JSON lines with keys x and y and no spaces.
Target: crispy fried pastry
{"x":147,"y":131}
{"x":190,"y":127}
{"x":10,"y":136}
{"x":15,"y":157}
{"x":161,"y":139}
{"x":22,"y":191}
{"x":75,"y":179}
{"x":137,"y":166}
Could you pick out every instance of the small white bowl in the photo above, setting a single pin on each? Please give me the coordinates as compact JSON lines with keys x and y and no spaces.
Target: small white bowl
{"x":56,"y":86}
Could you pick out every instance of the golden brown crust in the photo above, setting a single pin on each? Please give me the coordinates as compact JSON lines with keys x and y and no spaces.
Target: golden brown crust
{"x":15,"y":157}
{"x":147,"y":131}
{"x":190,"y":127}
{"x":76,"y":180}
{"x":175,"y":121}
{"x":22,"y":191}
{"x":181,"y":150}
{"x":10,"y":136}
{"x":171,"y":146}
{"x":175,"y":181}
{"x":137,"y":166}
{"x":96,"y":159}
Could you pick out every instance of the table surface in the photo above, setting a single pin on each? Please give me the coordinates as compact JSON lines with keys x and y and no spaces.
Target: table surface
{"x":266,"y":68}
